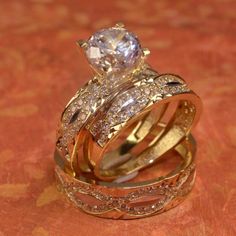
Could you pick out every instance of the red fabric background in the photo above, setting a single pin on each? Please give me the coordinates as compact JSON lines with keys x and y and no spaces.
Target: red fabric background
{"x":40,"y":69}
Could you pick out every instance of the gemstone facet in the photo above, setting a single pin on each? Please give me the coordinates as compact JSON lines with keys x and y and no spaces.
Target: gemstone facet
{"x":113,"y":50}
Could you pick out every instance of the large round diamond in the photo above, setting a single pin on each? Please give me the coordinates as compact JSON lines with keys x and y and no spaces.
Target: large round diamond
{"x":113,"y":50}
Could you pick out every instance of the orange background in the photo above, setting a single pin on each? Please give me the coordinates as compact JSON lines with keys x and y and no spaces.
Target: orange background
{"x":40,"y":69}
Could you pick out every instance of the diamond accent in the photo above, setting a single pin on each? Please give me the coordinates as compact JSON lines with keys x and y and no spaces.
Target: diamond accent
{"x":148,"y":88}
{"x":132,"y":101}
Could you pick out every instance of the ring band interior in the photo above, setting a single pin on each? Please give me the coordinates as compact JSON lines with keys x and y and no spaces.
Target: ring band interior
{"x":186,"y":149}
{"x":168,"y":137}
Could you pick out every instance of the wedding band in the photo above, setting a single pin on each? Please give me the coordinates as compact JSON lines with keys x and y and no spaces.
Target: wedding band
{"x":131,"y":200}
{"x":100,"y":137}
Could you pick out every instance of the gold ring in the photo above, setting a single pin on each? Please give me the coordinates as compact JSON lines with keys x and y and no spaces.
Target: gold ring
{"x":125,"y":118}
{"x":131,"y":200}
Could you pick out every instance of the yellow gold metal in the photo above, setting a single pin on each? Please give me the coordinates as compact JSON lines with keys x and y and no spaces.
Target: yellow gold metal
{"x":186,"y":115}
{"x":133,"y":199}
{"x":117,"y":125}
{"x":82,"y":43}
{"x":119,"y":25}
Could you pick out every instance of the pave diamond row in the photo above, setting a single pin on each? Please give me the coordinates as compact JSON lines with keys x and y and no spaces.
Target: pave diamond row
{"x":149,"y":88}
{"x":126,"y":106}
{"x":84,"y":103}
{"x":133,"y":101}
{"x":165,"y":191}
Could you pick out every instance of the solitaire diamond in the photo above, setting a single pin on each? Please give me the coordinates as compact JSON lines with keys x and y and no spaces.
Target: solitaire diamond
{"x":113,"y":50}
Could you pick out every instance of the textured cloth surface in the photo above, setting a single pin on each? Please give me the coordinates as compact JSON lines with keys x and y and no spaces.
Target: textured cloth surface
{"x":40,"y":69}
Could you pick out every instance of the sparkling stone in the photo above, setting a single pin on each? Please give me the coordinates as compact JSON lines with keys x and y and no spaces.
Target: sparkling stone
{"x":113,"y":50}
{"x":147,"y":91}
{"x":83,"y":116}
{"x":80,"y":102}
{"x":87,"y":107}
{"x":74,"y":116}
{"x":73,"y":108}
{"x":128,"y":103}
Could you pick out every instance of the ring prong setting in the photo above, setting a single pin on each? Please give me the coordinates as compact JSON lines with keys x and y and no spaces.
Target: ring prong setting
{"x":82,"y":43}
{"x":146,"y":51}
{"x":119,"y":25}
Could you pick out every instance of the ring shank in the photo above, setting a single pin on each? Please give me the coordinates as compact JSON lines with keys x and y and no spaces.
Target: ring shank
{"x":97,"y":133}
{"x":176,"y":130}
{"x":132,"y":200}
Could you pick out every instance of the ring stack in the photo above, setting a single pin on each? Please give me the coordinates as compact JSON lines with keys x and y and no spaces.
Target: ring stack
{"x":119,"y":125}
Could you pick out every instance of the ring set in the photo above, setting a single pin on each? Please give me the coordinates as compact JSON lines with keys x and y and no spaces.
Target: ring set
{"x":121,"y":123}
